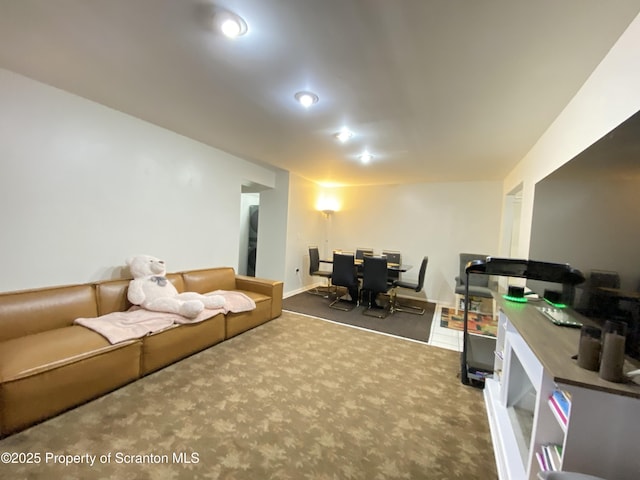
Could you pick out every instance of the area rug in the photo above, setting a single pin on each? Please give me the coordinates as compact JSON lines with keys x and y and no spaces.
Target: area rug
{"x":295,"y":398}
{"x":478,"y":323}
{"x":401,"y":324}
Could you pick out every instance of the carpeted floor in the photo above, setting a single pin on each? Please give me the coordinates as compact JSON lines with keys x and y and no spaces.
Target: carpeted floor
{"x":296,"y":398}
{"x":401,"y":324}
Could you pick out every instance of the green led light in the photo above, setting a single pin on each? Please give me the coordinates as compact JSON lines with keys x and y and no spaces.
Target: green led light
{"x":515,"y":299}
{"x":557,"y":305}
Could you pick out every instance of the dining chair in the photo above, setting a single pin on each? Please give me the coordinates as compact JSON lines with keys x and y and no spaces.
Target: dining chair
{"x":344,"y":275}
{"x":314,"y":271}
{"x":393,"y":257}
{"x":599,"y":304}
{"x":478,"y":284}
{"x":374,"y":282}
{"x":361,"y":252}
{"x":416,"y":287}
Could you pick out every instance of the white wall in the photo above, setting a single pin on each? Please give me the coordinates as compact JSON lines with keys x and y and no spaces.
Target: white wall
{"x":305,"y":227}
{"x":272,"y":229}
{"x":608,"y":97}
{"x":439,"y":220}
{"x":83,"y":186}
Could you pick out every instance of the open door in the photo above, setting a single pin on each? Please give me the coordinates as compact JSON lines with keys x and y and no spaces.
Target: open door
{"x":248,"y":248}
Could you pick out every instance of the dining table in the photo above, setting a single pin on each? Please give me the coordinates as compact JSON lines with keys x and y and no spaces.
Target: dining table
{"x":394,"y":267}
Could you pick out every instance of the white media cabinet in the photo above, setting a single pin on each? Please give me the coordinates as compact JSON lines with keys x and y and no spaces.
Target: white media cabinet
{"x":533,"y":358}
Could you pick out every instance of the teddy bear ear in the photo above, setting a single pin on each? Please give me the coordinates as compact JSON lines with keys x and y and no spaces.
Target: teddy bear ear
{"x":130,"y":259}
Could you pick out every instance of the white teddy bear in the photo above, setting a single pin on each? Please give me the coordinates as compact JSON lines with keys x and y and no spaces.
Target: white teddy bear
{"x":153,"y":291}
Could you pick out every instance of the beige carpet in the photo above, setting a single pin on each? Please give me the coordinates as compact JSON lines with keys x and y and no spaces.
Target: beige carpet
{"x":296,"y":398}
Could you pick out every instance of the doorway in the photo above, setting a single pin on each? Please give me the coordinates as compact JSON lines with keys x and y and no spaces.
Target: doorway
{"x":511,"y":231}
{"x":248,"y":251}
{"x":513,"y":214}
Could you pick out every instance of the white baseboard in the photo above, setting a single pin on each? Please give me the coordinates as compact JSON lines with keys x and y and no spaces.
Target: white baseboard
{"x":303,"y":289}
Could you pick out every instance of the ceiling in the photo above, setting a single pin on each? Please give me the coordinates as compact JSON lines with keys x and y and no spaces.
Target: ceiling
{"x":436,"y":90}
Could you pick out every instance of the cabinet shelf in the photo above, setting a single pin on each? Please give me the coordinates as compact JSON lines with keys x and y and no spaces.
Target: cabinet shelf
{"x":531,"y":362}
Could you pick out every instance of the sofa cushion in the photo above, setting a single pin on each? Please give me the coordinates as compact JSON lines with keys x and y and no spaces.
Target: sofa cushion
{"x":46,"y":373}
{"x":32,"y":354}
{"x":255,"y":296}
{"x":167,"y":346}
{"x":271,"y":288}
{"x":208,"y":280}
{"x":41,"y":310}
{"x":243,"y":321}
{"x":112,"y":295}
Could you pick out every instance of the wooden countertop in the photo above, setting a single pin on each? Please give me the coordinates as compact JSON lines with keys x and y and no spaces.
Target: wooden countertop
{"x":554,"y":346}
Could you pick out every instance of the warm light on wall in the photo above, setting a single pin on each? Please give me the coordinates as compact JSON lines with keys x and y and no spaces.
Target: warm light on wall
{"x":327,"y":204}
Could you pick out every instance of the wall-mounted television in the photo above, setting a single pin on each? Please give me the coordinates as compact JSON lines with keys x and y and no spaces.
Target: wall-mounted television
{"x":587,"y":214}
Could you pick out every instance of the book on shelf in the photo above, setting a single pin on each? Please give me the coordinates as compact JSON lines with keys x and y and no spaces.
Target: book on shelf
{"x":558,"y":411}
{"x":547,"y":458}
{"x":558,"y":449}
{"x":551,"y":456}
{"x":556,"y":457}
{"x":563,"y":399}
{"x":541,"y":462}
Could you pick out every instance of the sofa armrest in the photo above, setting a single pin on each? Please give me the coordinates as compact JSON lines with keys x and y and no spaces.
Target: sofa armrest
{"x":271,"y":288}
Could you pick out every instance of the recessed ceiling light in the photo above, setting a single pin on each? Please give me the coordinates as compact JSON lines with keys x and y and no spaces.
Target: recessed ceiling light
{"x":365,"y":157}
{"x":306,"y":99}
{"x":230,"y":24}
{"x":344,"y":135}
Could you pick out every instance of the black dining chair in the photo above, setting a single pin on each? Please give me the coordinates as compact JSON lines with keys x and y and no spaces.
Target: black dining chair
{"x":479,"y":285}
{"x":416,"y":287}
{"x":314,"y":271}
{"x":599,"y":304}
{"x":362,"y":252}
{"x":374,"y":282}
{"x":344,"y":275}
{"x":393,"y":257}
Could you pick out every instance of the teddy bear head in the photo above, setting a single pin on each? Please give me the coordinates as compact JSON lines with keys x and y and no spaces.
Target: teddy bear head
{"x":146,"y":265}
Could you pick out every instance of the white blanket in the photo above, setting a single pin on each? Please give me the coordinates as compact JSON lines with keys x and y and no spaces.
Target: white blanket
{"x":137,"y":322}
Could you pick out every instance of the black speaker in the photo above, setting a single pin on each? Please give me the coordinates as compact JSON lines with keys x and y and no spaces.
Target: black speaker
{"x":516,"y":292}
{"x":553,"y":296}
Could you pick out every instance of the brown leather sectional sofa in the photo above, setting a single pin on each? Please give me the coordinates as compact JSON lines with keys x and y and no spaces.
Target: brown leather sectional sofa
{"x":48,"y":364}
